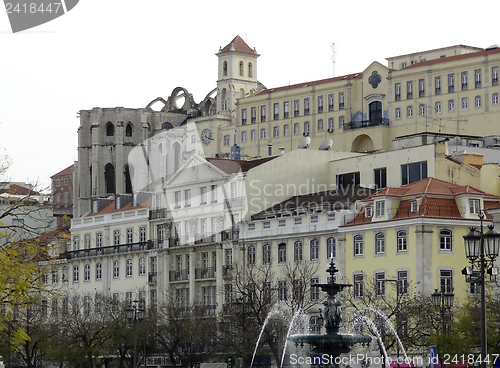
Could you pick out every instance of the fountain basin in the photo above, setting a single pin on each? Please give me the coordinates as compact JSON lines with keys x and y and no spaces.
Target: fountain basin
{"x":333,"y":345}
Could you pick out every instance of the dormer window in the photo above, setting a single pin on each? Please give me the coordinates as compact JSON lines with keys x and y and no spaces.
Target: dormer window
{"x":368,"y":212}
{"x":414,"y":206}
{"x":379,"y":209}
{"x":474,"y":206}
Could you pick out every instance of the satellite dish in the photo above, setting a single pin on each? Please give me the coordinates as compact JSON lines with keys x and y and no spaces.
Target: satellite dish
{"x":305,"y":142}
{"x":326,"y":145}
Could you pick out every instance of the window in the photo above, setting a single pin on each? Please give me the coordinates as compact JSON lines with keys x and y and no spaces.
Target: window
{"x":421,"y":88}
{"x":421,"y":110}
{"x":451,"y":83}
{"x":66,"y":198}
{"x":250,"y":70}
{"x":494,"y":76}
{"x":320,"y":124}
{"x":142,"y":266}
{"x":409,"y":90}
{"x":229,"y":257}
{"x":58,"y":198}
{"x":226,"y":140}
{"x":397,"y":113}
{"x":413,"y":172}
{"x":330,"y":124}
{"x":298,"y":221}
{"x":241,"y":68}
{"x":296,"y":108}
{"x":204,"y":195}
{"x":54,"y":276}
{"x":344,"y":180}
{"x":116,"y":269}
{"x":403,"y":282}
{"x":314,"y":250}
{"x":266,"y":254}
{"x":464,"y":81}
{"x":380,"y":177}
{"x":414,"y":206}
{"x":474,"y":206}
{"x":379,"y":243}
{"x":296,"y":128}
{"x":263,"y":133}
{"x":110,"y":129}
{"x":187,"y":198}
{"x":130,"y":235}
{"x":251,"y":255}
{"x":286,"y":130}
{"x":224,"y":69}
{"x":128,"y":268}
{"x":330,"y":102}
{"x":409,"y":111}
{"x":177,"y":199}
{"x":282,"y":253}
{"x":76,"y":274}
{"x":494,"y":99}
{"x":380,"y":284}
{"x":445,"y":239}
{"x":276,"y":132}
{"x":358,"y":285}
{"x":379,"y":208}
{"x":281,"y":290}
{"x":451,"y":105}
{"x":331,"y":248}
{"x":341,"y":121}
{"x":86,"y":243}
{"x":253,"y":115}
{"x":282,"y":222}
{"x":116,"y":237}
{"x":253,"y":135}
{"x":306,"y":106}
{"x":397,"y":91}
{"x":314,"y":293}
{"x":474,"y":284}
{"x":465,"y":103}
{"x":477,"y":78}
{"x":341,"y":100}
{"x":58,"y":182}
{"x":98,"y":271}
{"x":437,"y":85}
{"x":404,"y":64}
{"x":401,"y":239}
{"x":263,"y":113}
{"x":358,"y":245}
{"x":320,"y":103}
{"x":306,"y":127}
{"x":297,"y":251}
{"x":266,"y":224}
{"x":477,"y":101}
{"x":368,"y":212}
{"x":438,"y":107}
{"x":446,"y":281}
{"x":286,"y":109}
{"x":86,"y":272}
{"x":276,"y":110}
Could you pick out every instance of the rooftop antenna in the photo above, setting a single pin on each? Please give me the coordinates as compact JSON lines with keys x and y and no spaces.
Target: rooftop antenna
{"x":334,"y":51}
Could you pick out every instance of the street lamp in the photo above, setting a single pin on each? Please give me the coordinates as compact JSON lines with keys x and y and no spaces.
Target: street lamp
{"x":135,"y":312}
{"x":443,"y":301}
{"x":481,"y":249}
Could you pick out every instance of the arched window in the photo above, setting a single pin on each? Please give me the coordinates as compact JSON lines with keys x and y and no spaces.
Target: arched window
{"x":401,"y":237}
{"x":250,"y":70}
{"x":276,"y":132}
{"x":116,"y":269}
{"x":282,"y":253}
{"x":330,"y":248}
{"x":379,"y":243}
{"x":128,"y":180}
{"x":306,"y":127}
{"x":297,"y":251}
{"x":110,"y":129}
{"x":296,"y":129}
{"x":445,"y":239}
{"x":224,"y":69}
{"x":320,"y":124}
{"x":375,"y":109}
{"x":241,"y":68}
{"x":314,"y":250}
{"x":266,"y":254}
{"x":128,"y":130}
{"x":128,"y":268}
{"x":358,"y":245}
{"x":177,"y":156}
{"x":109,"y":179}
{"x":251,"y":255}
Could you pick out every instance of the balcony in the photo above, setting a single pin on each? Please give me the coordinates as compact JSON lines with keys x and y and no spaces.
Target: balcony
{"x":112,"y":249}
{"x":179,"y":275}
{"x":204,"y":273}
{"x":421,"y":93}
{"x":205,"y":310}
{"x":451,"y":89}
{"x":437,"y":91}
{"x":235,"y":202}
{"x":227,"y":270}
{"x":158,"y":214}
{"x":397,"y":97}
{"x":366,"y":123}
{"x":152,"y":277}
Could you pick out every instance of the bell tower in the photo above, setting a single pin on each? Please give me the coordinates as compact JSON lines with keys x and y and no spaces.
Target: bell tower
{"x":237,"y":75}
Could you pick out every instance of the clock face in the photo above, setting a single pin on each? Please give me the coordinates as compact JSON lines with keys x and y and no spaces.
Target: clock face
{"x":206,"y":136}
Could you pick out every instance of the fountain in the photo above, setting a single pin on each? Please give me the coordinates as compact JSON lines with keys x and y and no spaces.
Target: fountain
{"x":332,"y":343}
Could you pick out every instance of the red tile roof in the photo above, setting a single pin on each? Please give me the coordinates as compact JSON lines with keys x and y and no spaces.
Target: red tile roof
{"x":66,"y":171}
{"x":313,"y":83}
{"x":18,"y":190}
{"x":454,"y":58}
{"x":237,"y":45}
{"x":110,"y":208}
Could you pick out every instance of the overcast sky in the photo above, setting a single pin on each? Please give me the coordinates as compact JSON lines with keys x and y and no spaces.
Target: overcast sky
{"x":107,"y":53}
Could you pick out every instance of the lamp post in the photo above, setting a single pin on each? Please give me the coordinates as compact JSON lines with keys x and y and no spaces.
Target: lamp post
{"x":134,"y":313}
{"x":443,"y":301}
{"x":481,"y":249}
{"x":12,"y":326}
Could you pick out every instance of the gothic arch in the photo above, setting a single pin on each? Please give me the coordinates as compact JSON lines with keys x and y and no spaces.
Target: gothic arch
{"x":129,"y":129}
{"x":167,"y":125}
{"x":127,"y":176}
{"x":109,"y":179}
{"x":362,"y":143}
{"x":110,"y":129}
